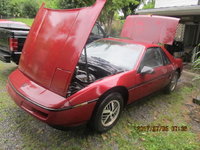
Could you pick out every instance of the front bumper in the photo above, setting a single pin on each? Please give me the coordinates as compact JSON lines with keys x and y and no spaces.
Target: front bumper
{"x":43,"y":109}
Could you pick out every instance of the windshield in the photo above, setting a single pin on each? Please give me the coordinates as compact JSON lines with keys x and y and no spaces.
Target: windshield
{"x":122,"y":55}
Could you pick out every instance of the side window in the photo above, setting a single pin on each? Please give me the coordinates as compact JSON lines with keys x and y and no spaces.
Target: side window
{"x":97,"y":31}
{"x":165,"y":58}
{"x":152,"y":58}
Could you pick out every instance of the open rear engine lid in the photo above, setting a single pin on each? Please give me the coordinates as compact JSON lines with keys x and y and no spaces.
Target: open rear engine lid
{"x":150,"y":29}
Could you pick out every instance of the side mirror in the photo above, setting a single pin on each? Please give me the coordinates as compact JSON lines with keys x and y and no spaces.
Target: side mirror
{"x":146,"y":70}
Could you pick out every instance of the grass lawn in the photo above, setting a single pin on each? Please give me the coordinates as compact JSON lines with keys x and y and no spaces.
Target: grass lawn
{"x":24,"y":20}
{"x":18,"y":130}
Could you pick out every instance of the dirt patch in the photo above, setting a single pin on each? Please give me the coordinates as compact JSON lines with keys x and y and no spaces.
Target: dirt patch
{"x":193,"y":114}
{"x":195,"y":118}
{"x":193,"y":110}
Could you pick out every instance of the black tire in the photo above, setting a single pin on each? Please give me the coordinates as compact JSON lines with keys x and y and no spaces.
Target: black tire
{"x":173,"y":83}
{"x":98,"y":121}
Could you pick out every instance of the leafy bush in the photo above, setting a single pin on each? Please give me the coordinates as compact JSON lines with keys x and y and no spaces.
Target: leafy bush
{"x":149,"y":5}
{"x":197,"y":67}
{"x":49,"y":3}
{"x":30,"y":8}
{"x":15,"y":9}
{"x":4,"y":11}
{"x":67,"y":4}
{"x":196,"y":60}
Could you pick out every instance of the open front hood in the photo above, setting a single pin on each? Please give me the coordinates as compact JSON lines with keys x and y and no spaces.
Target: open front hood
{"x":55,"y":43}
{"x":150,"y":29}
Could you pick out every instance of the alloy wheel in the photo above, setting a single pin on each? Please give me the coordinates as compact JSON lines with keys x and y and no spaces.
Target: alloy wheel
{"x":110,"y":113}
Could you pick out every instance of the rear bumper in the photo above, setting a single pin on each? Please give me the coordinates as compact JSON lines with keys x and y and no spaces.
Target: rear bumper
{"x":69,"y":116}
{"x":5,"y":56}
{"x":8,"y":57}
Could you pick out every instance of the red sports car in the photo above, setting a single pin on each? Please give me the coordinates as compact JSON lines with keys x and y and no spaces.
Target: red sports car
{"x":64,"y":82}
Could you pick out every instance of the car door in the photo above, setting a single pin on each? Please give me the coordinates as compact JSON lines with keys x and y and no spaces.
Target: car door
{"x":168,"y":65}
{"x":146,"y":84}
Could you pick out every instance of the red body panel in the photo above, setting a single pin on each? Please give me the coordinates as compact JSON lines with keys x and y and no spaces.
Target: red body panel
{"x":33,"y":91}
{"x":66,"y":118}
{"x":54,"y":45}
{"x":150,"y":29}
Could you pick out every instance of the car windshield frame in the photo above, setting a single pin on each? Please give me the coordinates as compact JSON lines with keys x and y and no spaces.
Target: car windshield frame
{"x":115,"y":52}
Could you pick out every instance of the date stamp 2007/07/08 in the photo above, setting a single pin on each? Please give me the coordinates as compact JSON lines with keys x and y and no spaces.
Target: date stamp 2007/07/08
{"x":161,"y":128}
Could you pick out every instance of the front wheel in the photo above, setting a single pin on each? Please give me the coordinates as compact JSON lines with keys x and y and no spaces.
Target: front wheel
{"x":173,"y":83}
{"x":108,"y":112}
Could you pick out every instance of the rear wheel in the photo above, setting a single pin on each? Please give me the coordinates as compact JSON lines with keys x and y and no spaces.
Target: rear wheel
{"x":173,"y":83}
{"x":108,"y":112}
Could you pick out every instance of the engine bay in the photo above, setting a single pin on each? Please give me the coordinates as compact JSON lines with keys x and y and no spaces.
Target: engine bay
{"x":85,"y":75}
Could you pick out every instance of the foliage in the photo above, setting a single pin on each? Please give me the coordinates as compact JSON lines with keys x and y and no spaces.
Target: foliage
{"x":24,"y":20}
{"x":30,"y":8}
{"x":116,"y":28}
{"x":69,"y":4}
{"x":49,"y":3}
{"x":197,"y":67}
{"x":129,"y":7}
{"x":23,"y":8}
{"x":15,"y":9}
{"x":112,"y":7}
{"x":4,"y":11}
{"x":108,"y":13}
{"x":149,"y":5}
{"x":196,"y":59}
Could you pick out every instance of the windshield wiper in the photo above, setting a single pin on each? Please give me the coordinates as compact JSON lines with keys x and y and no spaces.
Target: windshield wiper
{"x":100,"y":59}
{"x":105,"y":62}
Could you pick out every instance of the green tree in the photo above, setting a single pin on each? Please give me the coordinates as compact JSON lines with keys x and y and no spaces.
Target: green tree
{"x":69,"y":4}
{"x":30,"y":8}
{"x":15,"y":7}
{"x":113,"y":6}
{"x":48,"y":3}
{"x":149,"y":5}
{"x":4,"y":11}
{"x":108,"y":13}
{"x":128,"y":7}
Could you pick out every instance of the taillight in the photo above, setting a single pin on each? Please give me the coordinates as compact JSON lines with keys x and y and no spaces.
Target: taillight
{"x":13,"y":44}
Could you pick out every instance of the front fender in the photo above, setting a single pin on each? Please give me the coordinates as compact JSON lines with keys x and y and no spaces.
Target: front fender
{"x":95,"y":90}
